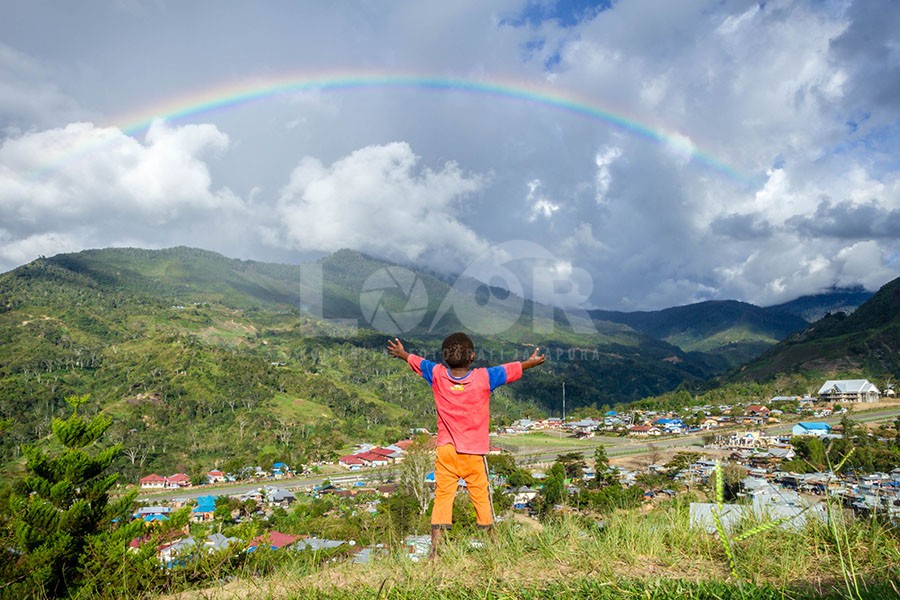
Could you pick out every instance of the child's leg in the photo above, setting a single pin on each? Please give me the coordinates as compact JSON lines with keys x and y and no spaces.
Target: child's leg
{"x":446,"y":479}
{"x":476,"y":476}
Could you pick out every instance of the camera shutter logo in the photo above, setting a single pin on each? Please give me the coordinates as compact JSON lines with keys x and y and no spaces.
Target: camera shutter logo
{"x":390,"y":283}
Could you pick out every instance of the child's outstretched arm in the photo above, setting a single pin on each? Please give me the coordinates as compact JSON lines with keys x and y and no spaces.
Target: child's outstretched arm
{"x":534,"y":360}
{"x":395,"y":348}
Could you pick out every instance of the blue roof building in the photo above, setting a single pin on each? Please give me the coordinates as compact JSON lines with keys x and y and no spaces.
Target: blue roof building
{"x":811,"y":428}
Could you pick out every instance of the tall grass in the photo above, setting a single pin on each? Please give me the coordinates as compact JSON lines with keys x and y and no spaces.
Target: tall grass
{"x":637,"y":554}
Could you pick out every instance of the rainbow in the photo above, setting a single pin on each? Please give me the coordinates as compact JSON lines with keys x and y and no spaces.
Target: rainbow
{"x":246,"y":92}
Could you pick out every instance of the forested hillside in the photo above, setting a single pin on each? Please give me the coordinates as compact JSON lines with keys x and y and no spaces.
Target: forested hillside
{"x":734,"y":331}
{"x":200,"y":359}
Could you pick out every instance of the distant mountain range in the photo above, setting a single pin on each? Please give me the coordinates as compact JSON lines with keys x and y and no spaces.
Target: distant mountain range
{"x":733,"y":330}
{"x":187,"y":341}
{"x":812,"y":308}
{"x":866,"y":341}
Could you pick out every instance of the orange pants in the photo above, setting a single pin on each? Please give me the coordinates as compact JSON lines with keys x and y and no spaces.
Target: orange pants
{"x":449,"y":468}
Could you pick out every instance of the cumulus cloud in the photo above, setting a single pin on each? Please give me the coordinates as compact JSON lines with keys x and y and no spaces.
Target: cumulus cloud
{"x":87,"y":185}
{"x":376,"y":200}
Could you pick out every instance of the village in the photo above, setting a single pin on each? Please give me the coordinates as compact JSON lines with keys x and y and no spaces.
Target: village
{"x":761,"y":444}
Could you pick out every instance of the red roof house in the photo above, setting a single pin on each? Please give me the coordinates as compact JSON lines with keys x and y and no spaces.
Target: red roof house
{"x":152,"y":481}
{"x":274,"y":539}
{"x":178,"y":480}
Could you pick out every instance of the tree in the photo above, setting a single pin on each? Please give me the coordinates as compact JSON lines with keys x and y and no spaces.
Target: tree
{"x":502,"y":464}
{"x":519,"y":478}
{"x":417,"y":462}
{"x":601,"y":467}
{"x":573,"y":464}
{"x":59,"y":507}
{"x":554,"y":489}
{"x":810,"y":450}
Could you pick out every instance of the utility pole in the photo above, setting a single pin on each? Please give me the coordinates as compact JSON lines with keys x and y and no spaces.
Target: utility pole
{"x":564,"y":403}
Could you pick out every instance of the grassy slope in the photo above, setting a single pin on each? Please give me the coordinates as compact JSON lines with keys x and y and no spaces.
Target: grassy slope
{"x":640,"y":553}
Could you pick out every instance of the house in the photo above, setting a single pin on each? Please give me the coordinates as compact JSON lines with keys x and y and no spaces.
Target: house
{"x":747,"y":439}
{"x":151,"y":514}
{"x":169,"y":551}
{"x":372,"y":460}
{"x":178,"y":480}
{"x":811,"y":428}
{"x":215,"y":476}
{"x":352,"y":462}
{"x":709,"y":423}
{"x":280,"y":470}
{"x":390,"y":455}
{"x":273,"y":539}
{"x":403,"y":444}
{"x":152,"y":481}
{"x":784,"y":399}
{"x":756,"y":410}
{"x":205,"y":509}
{"x":669,"y":425}
{"x":521,"y":496}
{"x":644,"y":430}
{"x":278,"y":496}
{"x":217,"y":541}
{"x":848,"y":390}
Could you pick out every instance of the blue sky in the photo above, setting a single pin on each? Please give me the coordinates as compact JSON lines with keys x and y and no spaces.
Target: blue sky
{"x":661,"y":153}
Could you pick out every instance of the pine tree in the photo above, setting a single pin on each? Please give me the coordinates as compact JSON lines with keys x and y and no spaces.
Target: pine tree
{"x":58,"y":506}
{"x":601,"y":467}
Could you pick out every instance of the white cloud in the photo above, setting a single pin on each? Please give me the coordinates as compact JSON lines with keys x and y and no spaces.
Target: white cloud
{"x":603,"y":160}
{"x":97,"y":185}
{"x":541,"y":206}
{"x":374,"y":200}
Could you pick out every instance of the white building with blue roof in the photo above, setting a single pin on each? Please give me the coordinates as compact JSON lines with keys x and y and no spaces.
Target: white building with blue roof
{"x":815,"y":428}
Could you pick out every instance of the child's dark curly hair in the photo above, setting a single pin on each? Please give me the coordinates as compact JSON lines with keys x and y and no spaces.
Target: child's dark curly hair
{"x":458,"y":350}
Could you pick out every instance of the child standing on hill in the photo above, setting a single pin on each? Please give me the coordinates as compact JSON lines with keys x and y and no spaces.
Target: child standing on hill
{"x":462,"y":398}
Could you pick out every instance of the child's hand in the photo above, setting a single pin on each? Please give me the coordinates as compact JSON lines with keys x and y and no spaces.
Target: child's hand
{"x":395,"y":348}
{"x":534,"y":360}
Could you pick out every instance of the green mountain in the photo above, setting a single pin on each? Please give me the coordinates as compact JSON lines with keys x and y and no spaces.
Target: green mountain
{"x":734,"y":331}
{"x":866,"y":342}
{"x":200,"y":359}
{"x":814,"y":307}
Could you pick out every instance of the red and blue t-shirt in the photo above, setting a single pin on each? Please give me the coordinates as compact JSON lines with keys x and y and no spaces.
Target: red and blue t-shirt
{"x":463,"y":403}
